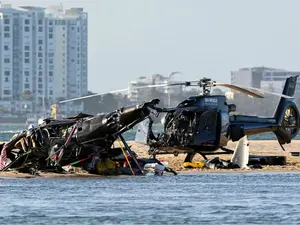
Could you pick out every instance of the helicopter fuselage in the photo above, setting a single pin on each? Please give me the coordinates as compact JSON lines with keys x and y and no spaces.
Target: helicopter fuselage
{"x":198,"y":123}
{"x":204,"y":124}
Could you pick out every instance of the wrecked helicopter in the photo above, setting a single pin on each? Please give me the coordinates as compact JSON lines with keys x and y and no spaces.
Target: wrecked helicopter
{"x":82,"y":141}
{"x":204,"y":124}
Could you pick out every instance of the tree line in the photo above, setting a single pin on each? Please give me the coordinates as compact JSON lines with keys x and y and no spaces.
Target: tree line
{"x":244,"y":104}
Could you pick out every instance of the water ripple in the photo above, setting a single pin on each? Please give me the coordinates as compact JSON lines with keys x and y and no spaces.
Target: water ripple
{"x":252,"y":198}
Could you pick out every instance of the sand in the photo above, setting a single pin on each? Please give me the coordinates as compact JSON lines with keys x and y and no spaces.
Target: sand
{"x":268,"y":147}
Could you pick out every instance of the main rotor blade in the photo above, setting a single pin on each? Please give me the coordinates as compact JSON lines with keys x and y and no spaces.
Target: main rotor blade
{"x":115,"y":91}
{"x":233,"y":86}
{"x":240,"y":89}
{"x":271,"y":93}
{"x":186,"y":83}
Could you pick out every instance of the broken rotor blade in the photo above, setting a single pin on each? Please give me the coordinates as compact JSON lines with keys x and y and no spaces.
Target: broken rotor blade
{"x":89,"y":96}
{"x":115,"y":91}
{"x":240,"y":89}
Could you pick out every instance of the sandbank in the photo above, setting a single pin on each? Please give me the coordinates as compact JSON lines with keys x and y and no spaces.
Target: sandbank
{"x":257,"y":147}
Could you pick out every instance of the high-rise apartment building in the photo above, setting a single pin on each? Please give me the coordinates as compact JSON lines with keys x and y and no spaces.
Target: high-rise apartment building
{"x":43,"y":55}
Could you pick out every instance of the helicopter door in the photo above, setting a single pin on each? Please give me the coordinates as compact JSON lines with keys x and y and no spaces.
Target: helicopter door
{"x":207,"y":128}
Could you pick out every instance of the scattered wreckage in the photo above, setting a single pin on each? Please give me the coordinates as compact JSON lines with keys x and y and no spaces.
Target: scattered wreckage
{"x":82,"y":141}
{"x":241,"y":159}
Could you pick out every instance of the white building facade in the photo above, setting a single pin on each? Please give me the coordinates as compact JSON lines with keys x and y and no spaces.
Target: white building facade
{"x":142,"y":94}
{"x":43,"y":56}
{"x":271,"y":79}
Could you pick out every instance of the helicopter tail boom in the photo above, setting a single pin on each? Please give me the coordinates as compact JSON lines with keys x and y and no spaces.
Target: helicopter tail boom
{"x":284,"y":124}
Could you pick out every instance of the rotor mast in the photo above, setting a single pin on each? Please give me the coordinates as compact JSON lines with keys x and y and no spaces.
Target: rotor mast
{"x":205,"y":84}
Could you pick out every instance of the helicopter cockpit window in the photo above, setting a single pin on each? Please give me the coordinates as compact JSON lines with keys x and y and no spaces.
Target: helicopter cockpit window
{"x":207,"y":121}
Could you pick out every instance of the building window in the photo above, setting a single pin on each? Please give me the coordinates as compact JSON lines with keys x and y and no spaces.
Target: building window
{"x":6,"y":21}
{"x":50,"y":29}
{"x":40,"y":86}
{"x":40,"y":29}
{"x":50,"y":61}
{"x":6,"y":92}
{"x":40,"y":79}
{"x":27,"y":48}
{"x":26,"y":60}
{"x":26,"y":79}
{"x":6,"y":60}
{"x":6,"y":35}
{"x":40,"y":60}
{"x":6,"y":47}
{"x":40,"y":42}
{"x":6,"y":73}
{"x":50,"y":92}
{"x":50,"y":36}
{"x":6,"y":79}
{"x":26,"y":29}
{"x":26,"y":21}
{"x":26,"y":54}
{"x":26,"y":73}
{"x":26,"y":86}
{"x":40,"y":22}
{"x":40,"y":73}
{"x":6,"y":28}
{"x":50,"y":73}
{"x":50,"y":22}
{"x":40,"y":54}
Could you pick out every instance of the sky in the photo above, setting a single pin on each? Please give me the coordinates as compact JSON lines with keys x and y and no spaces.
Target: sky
{"x":200,"y":38}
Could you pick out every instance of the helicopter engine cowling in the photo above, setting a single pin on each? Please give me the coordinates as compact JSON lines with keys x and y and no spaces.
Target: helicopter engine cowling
{"x":180,"y":128}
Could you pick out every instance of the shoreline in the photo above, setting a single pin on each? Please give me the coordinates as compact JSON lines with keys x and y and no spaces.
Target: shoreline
{"x":14,"y":175}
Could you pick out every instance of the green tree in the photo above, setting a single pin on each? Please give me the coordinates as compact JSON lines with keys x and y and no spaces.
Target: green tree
{"x":92,"y":105}
{"x":109,"y":102}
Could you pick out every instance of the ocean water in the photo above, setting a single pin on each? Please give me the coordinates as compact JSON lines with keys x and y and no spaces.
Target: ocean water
{"x":7,"y":131}
{"x":213,"y":198}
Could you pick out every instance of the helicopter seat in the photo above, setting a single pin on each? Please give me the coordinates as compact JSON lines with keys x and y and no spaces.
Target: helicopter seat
{"x":251,"y":119}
